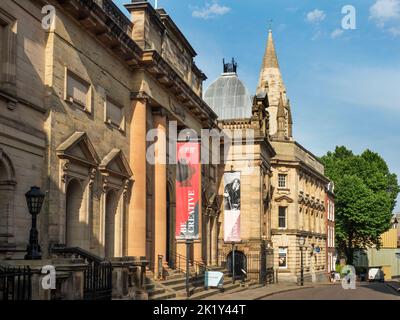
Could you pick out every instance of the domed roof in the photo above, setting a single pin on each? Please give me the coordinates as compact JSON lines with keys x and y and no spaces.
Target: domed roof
{"x":229,"y":97}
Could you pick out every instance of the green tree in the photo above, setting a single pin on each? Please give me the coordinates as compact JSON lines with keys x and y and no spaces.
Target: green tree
{"x":366,"y":195}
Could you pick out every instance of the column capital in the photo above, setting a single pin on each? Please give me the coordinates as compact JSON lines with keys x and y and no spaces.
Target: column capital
{"x":141,"y":96}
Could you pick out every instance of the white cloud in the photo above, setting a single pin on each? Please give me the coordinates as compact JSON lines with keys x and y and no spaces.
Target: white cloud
{"x":316,"y":16}
{"x":385,"y":10}
{"x":386,"y":14}
{"x":210,"y":11}
{"x":395,"y":31}
{"x":336,"y":33}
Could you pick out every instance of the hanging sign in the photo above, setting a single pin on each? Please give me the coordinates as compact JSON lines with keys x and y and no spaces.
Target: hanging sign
{"x":232,"y":196}
{"x":187,"y":190}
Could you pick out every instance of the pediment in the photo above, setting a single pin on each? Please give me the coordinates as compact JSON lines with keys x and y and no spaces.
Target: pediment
{"x":78,"y":148}
{"x":115,"y":163}
{"x":284,"y":198}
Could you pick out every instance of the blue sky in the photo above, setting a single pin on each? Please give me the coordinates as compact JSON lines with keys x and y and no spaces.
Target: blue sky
{"x":344,"y":85}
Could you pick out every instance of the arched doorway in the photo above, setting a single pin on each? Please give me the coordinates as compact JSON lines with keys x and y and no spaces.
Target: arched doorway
{"x":74,"y":202}
{"x":7,"y":191}
{"x":3,"y":203}
{"x":111,"y":224}
{"x":240,"y":264}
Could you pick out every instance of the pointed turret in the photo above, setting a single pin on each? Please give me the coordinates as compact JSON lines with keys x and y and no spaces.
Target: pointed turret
{"x":290,"y":120}
{"x":271,"y":83}
{"x":270,"y":80}
{"x":281,"y":119}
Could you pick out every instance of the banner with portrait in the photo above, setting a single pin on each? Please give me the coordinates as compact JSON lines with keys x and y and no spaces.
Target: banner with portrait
{"x":188,"y":174}
{"x":232,"y":196}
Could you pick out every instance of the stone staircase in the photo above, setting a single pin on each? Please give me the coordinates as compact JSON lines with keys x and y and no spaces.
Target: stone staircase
{"x":174,"y":286}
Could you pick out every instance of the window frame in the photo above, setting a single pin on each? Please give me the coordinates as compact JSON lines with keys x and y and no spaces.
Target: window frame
{"x":285,"y":217}
{"x":285,"y":176}
{"x":283,"y":250}
{"x":86,"y":108}
{"x":108,"y":121}
{"x":8,"y":58}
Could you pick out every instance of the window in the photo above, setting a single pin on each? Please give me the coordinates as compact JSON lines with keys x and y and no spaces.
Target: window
{"x":282,"y":180}
{"x":282,"y":258}
{"x":8,"y":56}
{"x":114,"y":114}
{"x":282,"y":217}
{"x":78,"y":91}
{"x":2,"y":49}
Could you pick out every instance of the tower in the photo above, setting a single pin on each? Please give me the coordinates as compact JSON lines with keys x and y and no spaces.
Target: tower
{"x":271,"y":83}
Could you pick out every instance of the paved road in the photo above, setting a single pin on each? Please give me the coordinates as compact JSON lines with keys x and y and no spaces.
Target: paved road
{"x":364,"y":291}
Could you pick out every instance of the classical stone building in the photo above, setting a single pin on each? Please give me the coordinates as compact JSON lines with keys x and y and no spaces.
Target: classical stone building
{"x":81,"y":87}
{"x":77,"y":100}
{"x":298,"y":204}
{"x":245,"y":119}
{"x":331,"y":252}
{"x":283,"y":198}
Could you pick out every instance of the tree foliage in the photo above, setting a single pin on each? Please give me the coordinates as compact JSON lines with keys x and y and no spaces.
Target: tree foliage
{"x":366,"y":193}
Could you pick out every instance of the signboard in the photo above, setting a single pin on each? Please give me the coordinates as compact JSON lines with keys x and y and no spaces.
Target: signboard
{"x":213,"y":279}
{"x":317,"y":250}
{"x":188,"y":173}
{"x":232,"y":197}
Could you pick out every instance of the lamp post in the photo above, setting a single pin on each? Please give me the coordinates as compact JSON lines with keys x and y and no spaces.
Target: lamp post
{"x":233,"y":262}
{"x":34,"y":200}
{"x":302,"y":241}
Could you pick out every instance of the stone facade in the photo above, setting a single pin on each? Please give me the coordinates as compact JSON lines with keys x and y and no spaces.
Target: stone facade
{"x":298,"y":204}
{"x":77,"y":101}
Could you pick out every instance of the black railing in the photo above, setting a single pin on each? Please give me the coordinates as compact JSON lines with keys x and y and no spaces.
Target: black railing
{"x":257,"y":267}
{"x":15,"y":283}
{"x":116,"y":15}
{"x":98,"y":281}
{"x":196,"y":267}
{"x":97,"y":276}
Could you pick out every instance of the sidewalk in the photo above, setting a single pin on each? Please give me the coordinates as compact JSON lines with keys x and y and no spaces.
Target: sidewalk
{"x":262,"y":292}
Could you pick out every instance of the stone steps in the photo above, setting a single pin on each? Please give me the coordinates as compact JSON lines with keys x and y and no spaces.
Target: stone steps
{"x":174,"y":286}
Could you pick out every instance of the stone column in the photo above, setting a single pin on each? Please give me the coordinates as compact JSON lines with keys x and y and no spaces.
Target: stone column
{"x":136,"y":238}
{"x":160,"y":187}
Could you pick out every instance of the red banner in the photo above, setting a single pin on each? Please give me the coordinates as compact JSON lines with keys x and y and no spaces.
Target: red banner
{"x":188,"y":173}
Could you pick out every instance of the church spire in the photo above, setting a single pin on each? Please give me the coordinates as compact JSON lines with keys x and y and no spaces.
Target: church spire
{"x":270,"y":74}
{"x":271,"y":83}
{"x":270,"y":57}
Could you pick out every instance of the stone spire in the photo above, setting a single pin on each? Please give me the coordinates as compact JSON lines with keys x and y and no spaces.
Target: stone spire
{"x":271,"y":83}
{"x":290,"y":120}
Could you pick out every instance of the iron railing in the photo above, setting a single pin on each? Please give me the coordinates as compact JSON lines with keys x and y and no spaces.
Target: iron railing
{"x":15,"y":283}
{"x":97,"y":276}
{"x":257,"y":266}
{"x":196,"y":267}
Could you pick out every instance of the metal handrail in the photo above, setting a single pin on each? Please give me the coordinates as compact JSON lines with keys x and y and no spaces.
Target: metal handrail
{"x":61,"y":249}
{"x":198,"y":265}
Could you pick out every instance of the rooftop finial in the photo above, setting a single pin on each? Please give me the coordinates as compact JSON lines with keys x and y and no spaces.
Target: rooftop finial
{"x":230,"y":67}
{"x":270,"y":25}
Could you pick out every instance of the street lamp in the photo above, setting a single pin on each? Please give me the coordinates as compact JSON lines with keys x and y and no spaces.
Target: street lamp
{"x":302,"y":242}
{"x":34,"y":200}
